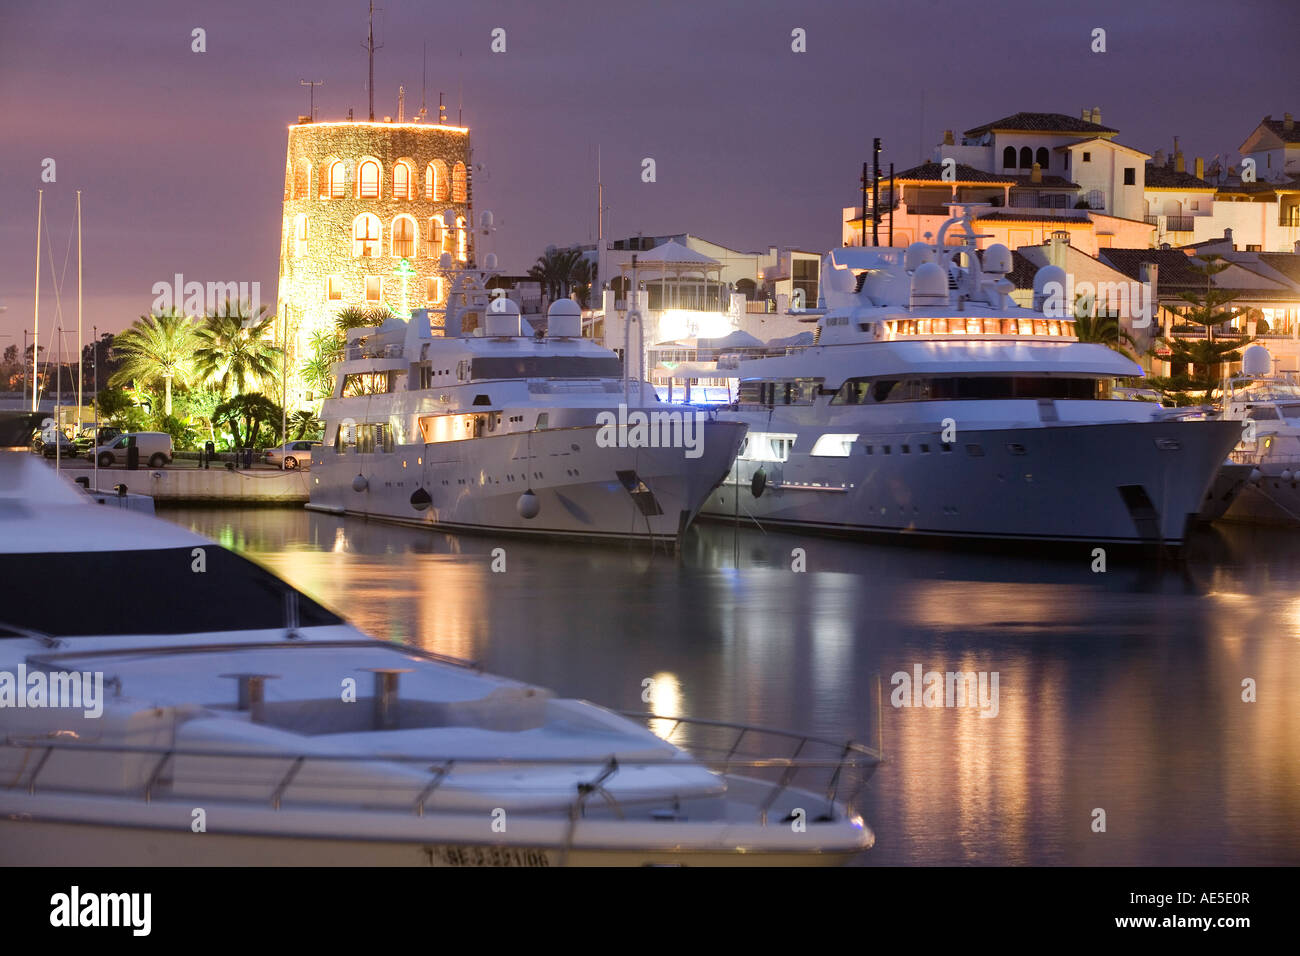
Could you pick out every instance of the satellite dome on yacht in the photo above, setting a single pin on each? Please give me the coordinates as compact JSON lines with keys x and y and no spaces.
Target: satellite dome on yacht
{"x":916,"y":254}
{"x":503,"y":319}
{"x":929,"y":287}
{"x":997,"y":259}
{"x":1256,"y":360}
{"x":564,"y":319}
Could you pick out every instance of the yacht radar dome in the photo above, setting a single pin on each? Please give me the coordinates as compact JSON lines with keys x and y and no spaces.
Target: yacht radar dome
{"x":503,"y":319}
{"x":997,"y":259}
{"x":1256,"y":361}
{"x":929,"y":286}
{"x":1044,"y":277}
{"x":564,"y":319}
{"x":490,"y":262}
{"x":916,"y":255}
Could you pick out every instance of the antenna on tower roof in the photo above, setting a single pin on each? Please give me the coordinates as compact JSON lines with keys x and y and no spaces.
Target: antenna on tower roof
{"x":460,"y":96}
{"x":424,"y":75}
{"x":311,"y":100}
{"x":442,"y":111}
{"x":370,"y":48}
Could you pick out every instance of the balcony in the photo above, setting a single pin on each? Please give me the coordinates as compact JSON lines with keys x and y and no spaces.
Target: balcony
{"x":1172,"y":223}
{"x":1289,"y":217}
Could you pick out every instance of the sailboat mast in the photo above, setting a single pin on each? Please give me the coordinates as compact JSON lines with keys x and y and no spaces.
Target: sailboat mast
{"x":36,"y":315}
{"x":80,"y":377}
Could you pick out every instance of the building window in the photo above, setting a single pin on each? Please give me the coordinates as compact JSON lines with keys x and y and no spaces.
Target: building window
{"x":459,"y":184}
{"x":300,"y":234}
{"x":1254,"y":247}
{"x":301,"y":179}
{"x":433,"y":244}
{"x":1130,"y":176}
{"x":366,"y":236}
{"x":1026,"y":157}
{"x":1096,"y":200}
{"x":1009,"y":158}
{"x":403,"y":237}
{"x":435,"y":181}
{"x":1041,"y":157}
{"x":401,"y":181}
{"x":334,"y":288}
{"x":338,"y":181}
{"x":368,"y":180}
{"x":1087,"y":156}
{"x":374,"y":288}
{"x":449,"y":241}
{"x":433,"y":290}
{"x":462,"y":240}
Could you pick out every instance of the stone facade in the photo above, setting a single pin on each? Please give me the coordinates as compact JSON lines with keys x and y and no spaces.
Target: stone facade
{"x":323,"y":272}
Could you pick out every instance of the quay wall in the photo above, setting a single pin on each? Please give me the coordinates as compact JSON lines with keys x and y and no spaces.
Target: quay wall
{"x":207,"y":486}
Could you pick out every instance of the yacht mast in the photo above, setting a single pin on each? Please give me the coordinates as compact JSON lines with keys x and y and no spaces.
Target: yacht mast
{"x":36,"y":316}
{"x":80,"y":376}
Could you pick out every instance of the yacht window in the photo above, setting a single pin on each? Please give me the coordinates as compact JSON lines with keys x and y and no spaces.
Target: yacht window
{"x":834,"y":446}
{"x":1264,"y":413}
{"x":546,"y":366}
{"x":972,"y":387}
{"x":767,"y":446}
{"x":233,"y":595}
{"x":1291,"y":411}
{"x":369,"y":383}
{"x":798,"y":391}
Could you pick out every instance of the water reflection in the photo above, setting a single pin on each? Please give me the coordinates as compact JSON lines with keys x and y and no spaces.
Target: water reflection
{"x":1120,"y":691}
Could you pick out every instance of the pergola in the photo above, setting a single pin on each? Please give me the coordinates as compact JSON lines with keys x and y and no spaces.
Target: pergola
{"x":674,"y":260}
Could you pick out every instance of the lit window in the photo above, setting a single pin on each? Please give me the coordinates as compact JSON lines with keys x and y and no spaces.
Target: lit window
{"x":462,"y":240}
{"x":401,"y":181}
{"x":433,"y":289}
{"x":449,"y":241}
{"x":435,"y":181}
{"x":374,"y":288}
{"x":334,"y":288}
{"x":366,"y":236}
{"x":403,"y":237}
{"x":433,"y":246}
{"x":834,"y":446}
{"x":338,"y":181}
{"x":301,"y":179}
{"x":368,"y":180}
{"x":459,"y":187}
{"x":300,"y":234}
{"x":767,"y":446}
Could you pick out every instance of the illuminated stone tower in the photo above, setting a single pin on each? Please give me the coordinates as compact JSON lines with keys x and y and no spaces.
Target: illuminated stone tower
{"x":369,"y":209}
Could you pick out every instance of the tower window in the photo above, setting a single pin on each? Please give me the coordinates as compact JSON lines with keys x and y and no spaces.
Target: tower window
{"x":374,"y":288}
{"x":300,"y":234}
{"x":403,"y":237}
{"x":334,"y":288}
{"x":368,"y":180}
{"x":433,"y":245}
{"x":338,"y":181}
{"x":301,"y":179}
{"x":462,"y":240}
{"x":459,"y":183}
{"x":366,"y":236}
{"x":435,"y":181}
{"x":433,"y":289}
{"x":401,"y":181}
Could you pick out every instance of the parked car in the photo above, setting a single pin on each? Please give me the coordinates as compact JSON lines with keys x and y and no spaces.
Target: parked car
{"x":155,"y":449}
{"x":88,"y":438}
{"x":57,"y":443}
{"x":293,"y":454}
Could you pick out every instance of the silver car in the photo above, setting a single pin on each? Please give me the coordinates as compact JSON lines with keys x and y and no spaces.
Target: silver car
{"x":292,"y":454}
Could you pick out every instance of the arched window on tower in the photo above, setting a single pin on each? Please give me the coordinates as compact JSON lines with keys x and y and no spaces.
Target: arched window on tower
{"x":401,"y":181}
{"x":404,"y":233}
{"x":462,"y":240}
{"x":449,"y":240}
{"x":338,"y":181}
{"x":1026,"y":157}
{"x":433,"y":243}
{"x":1009,"y":158}
{"x":367,"y":236}
{"x":301,"y":179}
{"x":368,"y":180}
{"x":435,"y":181}
{"x":459,"y":184}
{"x":1041,"y":157}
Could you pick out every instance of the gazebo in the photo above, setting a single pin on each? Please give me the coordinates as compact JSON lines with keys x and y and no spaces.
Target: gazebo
{"x":674,"y":260}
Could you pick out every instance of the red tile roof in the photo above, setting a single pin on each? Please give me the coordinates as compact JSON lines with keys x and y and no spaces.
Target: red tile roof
{"x":1041,"y":123}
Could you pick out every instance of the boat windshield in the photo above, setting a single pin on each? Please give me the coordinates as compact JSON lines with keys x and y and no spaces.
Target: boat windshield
{"x":156,"y":591}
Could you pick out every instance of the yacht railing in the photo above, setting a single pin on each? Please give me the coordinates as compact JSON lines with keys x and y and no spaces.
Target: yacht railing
{"x":842,"y":773}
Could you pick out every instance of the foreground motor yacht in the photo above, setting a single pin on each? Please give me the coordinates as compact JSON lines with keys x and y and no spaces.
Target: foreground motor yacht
{"x":504,"y":429}
{"x":1265,"y":407}
{"x":932,"y":404}
{"x":191,"y":708}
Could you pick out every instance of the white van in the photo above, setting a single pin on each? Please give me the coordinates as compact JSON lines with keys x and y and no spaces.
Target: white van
{"x":155,"y":449}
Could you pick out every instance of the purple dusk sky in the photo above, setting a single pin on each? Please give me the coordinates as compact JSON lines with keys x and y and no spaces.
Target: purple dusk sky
{"x":180,"y":155}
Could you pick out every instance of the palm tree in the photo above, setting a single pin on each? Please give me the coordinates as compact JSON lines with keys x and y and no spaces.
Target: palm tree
{"x":1103,"y":330}
{"x":554,"y":271}
{"x":234,"y":350}
{"x":157,"y":347}
{"x":304,"y":421}
{"x":317,"y":371}
{"x":583,"y":277}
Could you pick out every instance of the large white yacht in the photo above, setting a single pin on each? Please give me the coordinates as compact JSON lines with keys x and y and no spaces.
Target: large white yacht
{"x":220,"y":717}
{"x":504,"y":429}
{"x":932,"y":404}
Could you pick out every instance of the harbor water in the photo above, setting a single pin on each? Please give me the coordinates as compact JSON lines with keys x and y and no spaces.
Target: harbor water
{"x":1147,"y":713}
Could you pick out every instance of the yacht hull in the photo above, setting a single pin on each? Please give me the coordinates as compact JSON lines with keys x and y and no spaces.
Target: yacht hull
{"x":1119,"y":482}
{"x":1268,"y":498}
{"x":583,"y":490}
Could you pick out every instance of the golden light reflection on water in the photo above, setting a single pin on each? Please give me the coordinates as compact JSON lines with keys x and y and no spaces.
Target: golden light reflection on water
{"x":665,"y":692}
